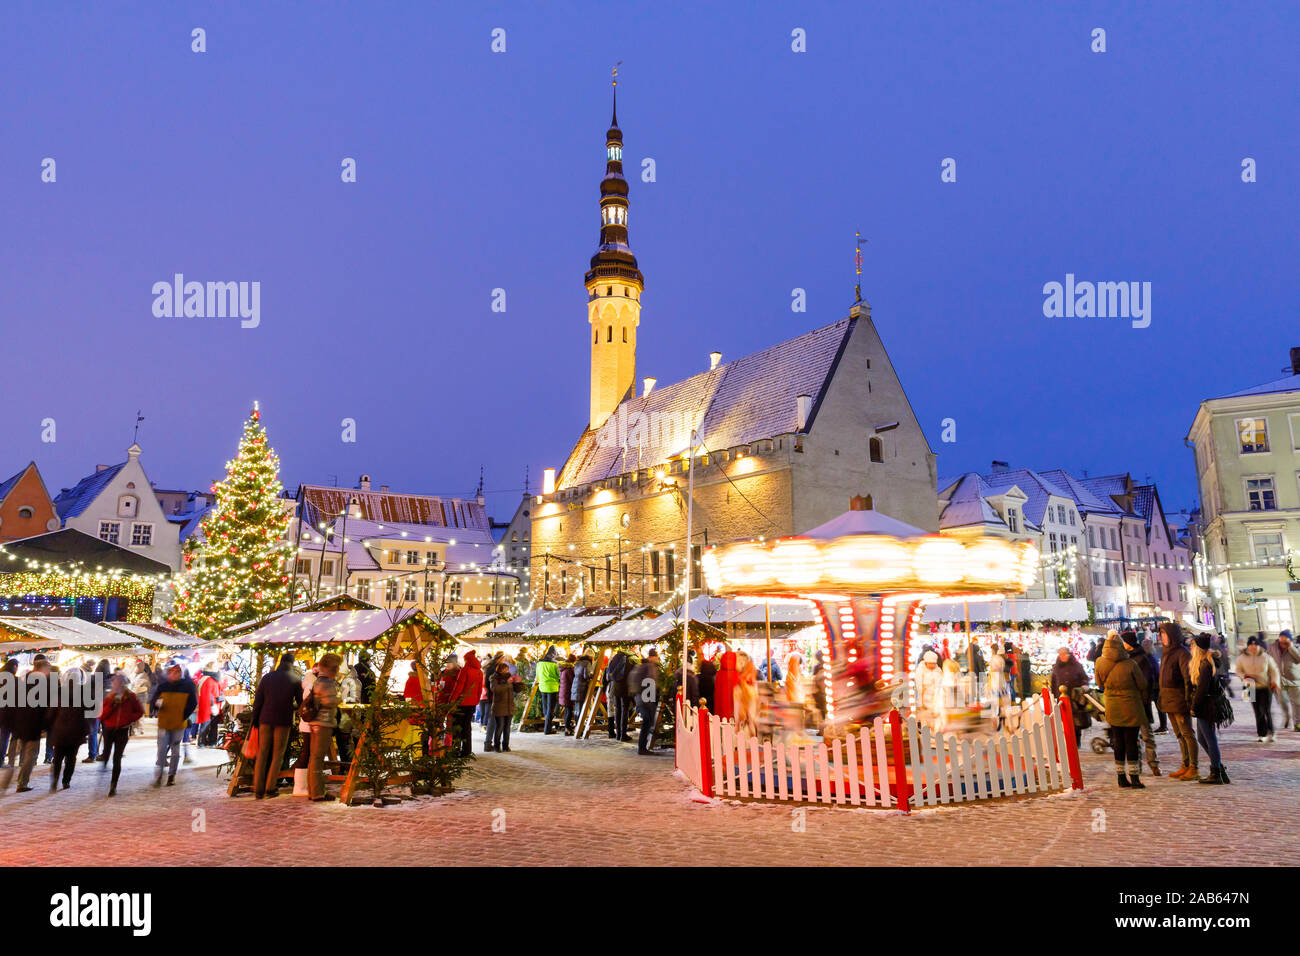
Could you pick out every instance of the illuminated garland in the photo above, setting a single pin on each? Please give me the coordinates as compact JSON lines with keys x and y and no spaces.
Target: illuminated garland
{"x":137,"y":589}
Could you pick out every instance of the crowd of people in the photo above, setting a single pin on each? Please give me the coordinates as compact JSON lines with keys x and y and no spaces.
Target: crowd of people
{"x":186,"y":697}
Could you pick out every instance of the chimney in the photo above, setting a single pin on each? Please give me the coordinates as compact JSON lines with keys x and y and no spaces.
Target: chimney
{"x":1000,"y":466}
{"x":648,"y":385}
{"x":548,"y":481}
{"x":805,"y":408}
{"x":354,"y":509}
{"x":1295,"y":361}
{"x":714,"y":359}
{"x":383,"y":488}
{"x":365,"y":482}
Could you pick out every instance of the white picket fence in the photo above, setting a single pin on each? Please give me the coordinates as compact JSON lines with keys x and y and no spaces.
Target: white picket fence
{"x":893,"y":763}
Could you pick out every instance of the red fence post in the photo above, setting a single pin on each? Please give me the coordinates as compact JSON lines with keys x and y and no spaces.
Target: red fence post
{"x":1047,"y":711}
{"x":1071,"y":748}
{"x":902,"y":789}
{"x":706,"y":752}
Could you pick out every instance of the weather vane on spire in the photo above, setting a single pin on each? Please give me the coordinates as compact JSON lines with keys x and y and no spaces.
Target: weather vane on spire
{"x":857,"y":262}
{"x":614,"y":73}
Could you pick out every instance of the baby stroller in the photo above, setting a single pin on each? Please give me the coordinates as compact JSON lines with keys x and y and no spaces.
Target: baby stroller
{"x":1097,"y":711}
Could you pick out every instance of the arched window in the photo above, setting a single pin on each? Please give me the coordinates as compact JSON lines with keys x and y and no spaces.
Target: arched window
{"x":877,"y":450}
{"x":609,"y":336}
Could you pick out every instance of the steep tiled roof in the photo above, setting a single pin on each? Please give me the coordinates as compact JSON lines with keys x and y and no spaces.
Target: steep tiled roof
{"x":391,"y":507}
{"x":1087,"y":501}
{"x":8,"y":485}
{"x":73,"y":501}
{"x":1289,"y":384}
{"x":1036,"y":488}
{"x":752,"y":398}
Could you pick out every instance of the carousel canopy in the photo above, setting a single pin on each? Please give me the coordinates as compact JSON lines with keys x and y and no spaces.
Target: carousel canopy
{"x":864,"y":522}
{"x":156,"y":636}
{"x":72,"y":633}
{"x":334,"y":627}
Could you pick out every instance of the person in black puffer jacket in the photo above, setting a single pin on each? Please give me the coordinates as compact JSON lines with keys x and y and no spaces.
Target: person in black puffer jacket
{"x":1206,"y":691}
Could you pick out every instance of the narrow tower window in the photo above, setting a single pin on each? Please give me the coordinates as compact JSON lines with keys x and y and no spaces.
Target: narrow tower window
{"x":877,"y":452}
{"x":609,"y":336}
{"x":625,"y":334}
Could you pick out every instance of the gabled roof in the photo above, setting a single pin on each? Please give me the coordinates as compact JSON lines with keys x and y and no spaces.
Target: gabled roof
{"x":335,"y":627}
{"x":473,"y":547}
{"x":749,"y":399}
{"x":70,"y":632}
{"x":71,"y":502}
{"x":70,"y":546}
{"x":389,"y":507}
{"x":1289,"y":384}
{"x":1036,"y":487}
{"x":8,"y":485}
{"x":967,"y":504}
{"x":1086,"y":500}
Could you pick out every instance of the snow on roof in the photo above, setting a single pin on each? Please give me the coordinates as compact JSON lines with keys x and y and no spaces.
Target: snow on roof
{"x":721,"y":611}
{"x":529,"y":621}
{"x":1036,"y":487}
{"x":645,"y":630}
{"x":158,"y":635}
{"x":1085,"y":499}
{"x":751,"y":398}
{"x":458,"y":514}
{"x":459,"y":624}
{"x":71,"y":502}
{"x":70,"y":632}
{"x":864,"y":522}
{"x":569,"y":627}
{"x":331,"y":627}
{"x":1289,"y":384}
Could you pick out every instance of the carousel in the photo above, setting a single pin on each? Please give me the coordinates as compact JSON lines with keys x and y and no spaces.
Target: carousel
{"x":868,"y":578}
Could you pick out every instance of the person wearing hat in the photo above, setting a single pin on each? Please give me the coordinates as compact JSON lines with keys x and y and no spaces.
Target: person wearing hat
{"x":1206,"y":691}
{"x":323,"y":699}
{"x":1125,"y":684}
{"x":1175,"y":695}
{"x":1133,"y":644}
{"x":1287,"y":657}
{"x":927,"y":688}
{"x":1258,"y":669}
{"x":643,"y":687}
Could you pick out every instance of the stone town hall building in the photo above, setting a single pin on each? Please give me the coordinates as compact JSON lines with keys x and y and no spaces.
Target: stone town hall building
{"x":787,"y":436}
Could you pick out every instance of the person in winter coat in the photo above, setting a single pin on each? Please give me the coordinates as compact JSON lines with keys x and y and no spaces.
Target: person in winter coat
{"x":643,"y":685}
{"x":1203,"y":669}
{"x":122,"y":708}
{"x":142,"y":682}
{"x":1024,"y":672}
{"x":1154,"y":655}
{"x":324,"y":700}
{"x":566,"y":690}
{"x":26,"y":724}
{"x":708,"y":677}
{"x":999,"y":689}
{"x":692,"y":687}
{"x":176,"y":699}
{"x":1125,"y":685}
{"x":466,"y":692}
{"x":1259,"y":670}
{"x":582,"y":671}
{"x":8,"y":674}
{"x":501,"y":695}
{"x":484,"y":712}
{"x":1068,"y":678}
{"x":209,"y":697}
{"x":745,"y":694}
{"x":927,"y":685}
{"x":68,"y":729}
{"x":615,"y":681}
{"x":275,"y":704}
{"x":548,"y":687}
{"x":975,"y":666}
{"x":1287,"y":658}
{"x":1175,"y":697}
{"x":1133,"y":644}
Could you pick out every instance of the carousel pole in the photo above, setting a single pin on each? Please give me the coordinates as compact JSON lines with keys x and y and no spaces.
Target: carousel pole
{"x":767,"y":620}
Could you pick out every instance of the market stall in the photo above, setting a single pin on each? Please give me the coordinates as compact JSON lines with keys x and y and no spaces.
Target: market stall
{"x":76,"y":639}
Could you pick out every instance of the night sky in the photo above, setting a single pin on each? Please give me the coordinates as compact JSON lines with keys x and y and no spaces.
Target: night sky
{"x":479,"y":170}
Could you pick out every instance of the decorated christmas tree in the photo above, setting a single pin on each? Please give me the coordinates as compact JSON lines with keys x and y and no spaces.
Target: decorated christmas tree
{"x":236,"y":572}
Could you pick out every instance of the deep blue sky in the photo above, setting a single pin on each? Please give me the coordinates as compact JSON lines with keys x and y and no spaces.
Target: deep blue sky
{"x":478,"y":170}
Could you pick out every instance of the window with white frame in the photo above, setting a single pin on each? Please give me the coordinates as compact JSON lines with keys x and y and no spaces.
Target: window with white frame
{"x":390,"y":589}
{"x":412,"y":557}
{"x":431,"y":558}
{"x":1252,"y":435}
{"x":141,"y":535}
{"x":430,"y":591}
{"x":394,"y":557}
{"x":1013,"y":521}
{"x":126,"y":506}
{"x":327,"y":568}
{"x":1071,"y":513}
{"x":363,"y":588}
{"x":408,"y":592}
{"x":455,"y":591}
{"x":1092,"y":540}
{"x":1275,"y":615}
{"x":1260,"y":495}
{"x":1294,"y":420}
{"x":302,"y":566}
{"x":110,"y":531}
{"x":1267,"y":545}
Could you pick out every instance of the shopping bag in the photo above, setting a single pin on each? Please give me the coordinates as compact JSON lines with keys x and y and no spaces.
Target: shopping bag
{"x":251,"y":744}
{"x":1248,"y":691}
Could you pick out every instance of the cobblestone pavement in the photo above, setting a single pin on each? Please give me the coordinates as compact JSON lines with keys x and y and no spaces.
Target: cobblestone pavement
{"x":596,"y":802}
